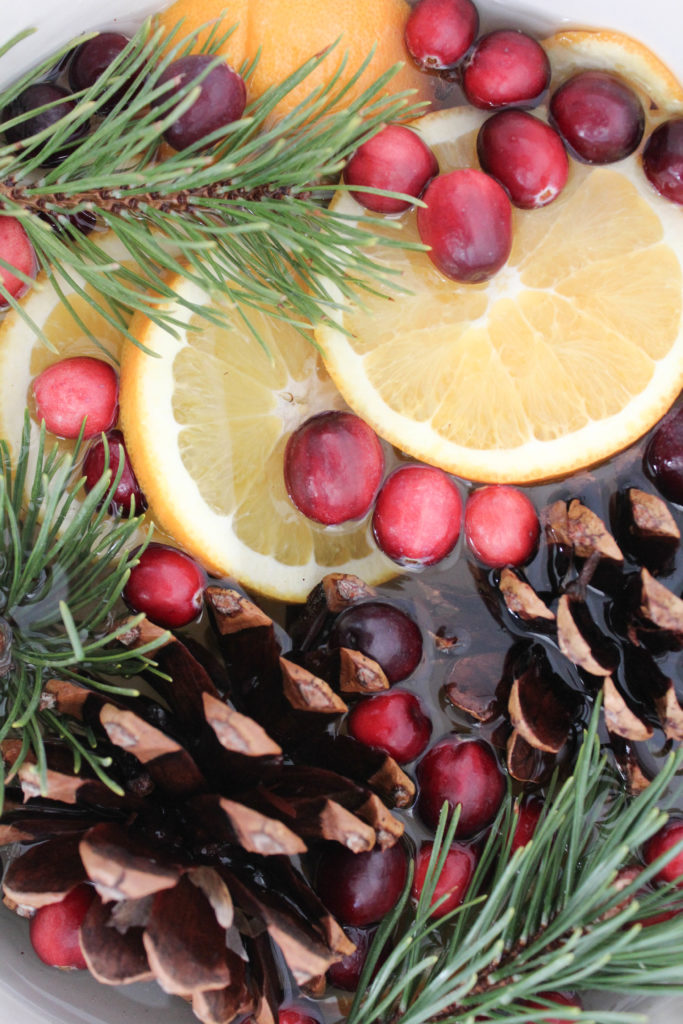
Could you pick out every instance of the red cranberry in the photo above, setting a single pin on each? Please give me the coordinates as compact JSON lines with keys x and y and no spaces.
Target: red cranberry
{"x":382,"y":632}
{"x":506,"y":67}
{"x":346,"y":973}
{"x":600,"y":117}
{"x":77,"y":389}
{"x":663,"y":460}
{"x":167,"y":585}
{"x":392,"y":722}
{"x":55,"y":929}
{"x":454,"y":880}
{"x":30,"y":101}
{"x":467,"y":223}
{"x":222,"y":98}
{"x":528,"y":814}
{"x":127,"y":493}
{"x":439,"y":33}
{"x":660,"y":843}
{"x":295,"y":1015}
{"x":525,"y":155}
{"x":464,"y":772}
{"x":17,"y":250}
{"x":417,"y":515}
{"x":501,"y":525}
{"x":663,"y":159}
{"x":395,"y":159}
{"x":563,"y":1000}
{"x":333,"y":467}
{"x":360,"y":888}
{"x":92,"y":58}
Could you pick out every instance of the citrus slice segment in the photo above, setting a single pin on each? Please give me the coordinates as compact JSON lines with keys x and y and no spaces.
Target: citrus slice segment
{"x":567,"y":355}
{"x":206,"y":420}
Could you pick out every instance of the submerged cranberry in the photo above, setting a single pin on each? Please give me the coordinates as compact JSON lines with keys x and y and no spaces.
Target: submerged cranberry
{"x":663,"y":460}
{"x":382,"y":632}
{"x":439,"y":33}
{"x":506,"y":68}
{"x":16,"y":249}
{"x":527,"y":818}
{"x":74,"y":390}
{"x":55,"y":929}
{"x":501,"y":525}
{"x":167,"y":585}
{"x":346,"y":973}
{"x":454,"y":880}
{"x":525,"y":155}
{"x":128,"y":493}
{"x":417,"y":515}
{"x":222,"y":98}
{"x":464,"y":772}
{"x":58,"y":102}
{"x":663,"y":159}
{"x":360,"y":888}
{"x":600,"y":117}
{"x":393,"y":722}
{"x":395,"y":159}
{"x":660,"y":843}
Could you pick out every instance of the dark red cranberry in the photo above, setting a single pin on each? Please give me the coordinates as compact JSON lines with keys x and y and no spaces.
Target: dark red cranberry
{"x":506,"y":68}
{"x":439,"y":33}
{"x":663,"y":460}
{"x":16,"y":249}
{"x":74,"y":390}
{"x":525,"y":155}
{"x":92,"y":58}
{"x":382,"y":632}
{"x":33,"y":98}
{"x":663,"y":159}
{"x":55,"y":929}
{"x":360,"y":888}
{"x":660,"y":843}
{"x":464,"y":772}
{"x":167,"y":585}
{"x":467,"y":223}
{"x":417,"y":515}
{"x":600,"y":117}
{"x":128,"y":493}
{"x":221,"y":99}
{"x":454,"y":880}
{"x":562,"y":999}
{"x":501,"y":525}
{"x":395,"y":159}
{"x":295,"y":1015}
{"x":528,"y":814}
{"x":346,"y":973}
{"x":333,"y":467}
{"x":393,"y":722}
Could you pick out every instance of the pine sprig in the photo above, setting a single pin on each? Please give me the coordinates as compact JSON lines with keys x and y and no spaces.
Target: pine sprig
{"x":548,"y":918}
{"x":65,"y":562}
{"x":246,"y":218}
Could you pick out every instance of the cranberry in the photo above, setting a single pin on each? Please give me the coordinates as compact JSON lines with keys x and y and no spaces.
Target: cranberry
{"x":127,"y":493}
{"x":92,"y":58}
{"x":563,"y":1000}
{"x":454,"y":880}
{"x":528,"y":815}
{"x":600,"y":117}
{"x":663,"y":159}
{"x":382,"y":632}
{"x":660,"y":843}
{"x":501,"y":525}
{"x":16,"y":249}
{"x":506,"y":67}
{"x":392,"y":722}
{"x":333,"y":466}
{"x":77,"y":389}
{"x":467,"y":223}
{"x":417,"y":515}
{"x":360,"y":888}
{"x":59,"y":103}
{"x":525,"y":155}
{"x":395,"y":159}
{"x":222,"y":98}
{"x":439,"y":33}
{"x":346,"y":973}
{"x":167,"y":585}
{"x":295,"y":1015}
{"x":55,"y":929}
{"x":464,"y":772}
{"x":663,"y":459}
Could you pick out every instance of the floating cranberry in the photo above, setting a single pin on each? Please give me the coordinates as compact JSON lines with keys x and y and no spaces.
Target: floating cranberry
{"x":417,"y":515}
{"x":92,"y":58}
{"x":16,"y":249}
{"x":600,"y":117}
{"x":393,"y":722}
{"x":128,"y":493}
{"x":464,"y":772}
{"x":454,"y":880}
{"x":501,"y":525}
{"x":395,"y":159}
{"x":55,"y":929}
{"x":563,"y":1000}
{"x":659,"y":844}
{"x":360,"y":888}
{"x":33,"y":98}
{"x":295,"y":1015}
{"x":663,"y":459}
{"x":167,"y":585}
{"x":525,"y":155}
{"x":77,"y":389}
{"x":528,"y":814}
{"x":222,"y":98}
{"x":467,"y":223}
{"x":382,"y":632}
{"x":506,"y":68}
{"x":663,"y":159}
{"x":333,"y":467}
{"x":346,"y":973}
{"x":439,"y":33}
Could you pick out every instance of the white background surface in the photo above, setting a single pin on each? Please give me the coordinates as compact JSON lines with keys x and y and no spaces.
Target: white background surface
{"x":29,"y":992}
